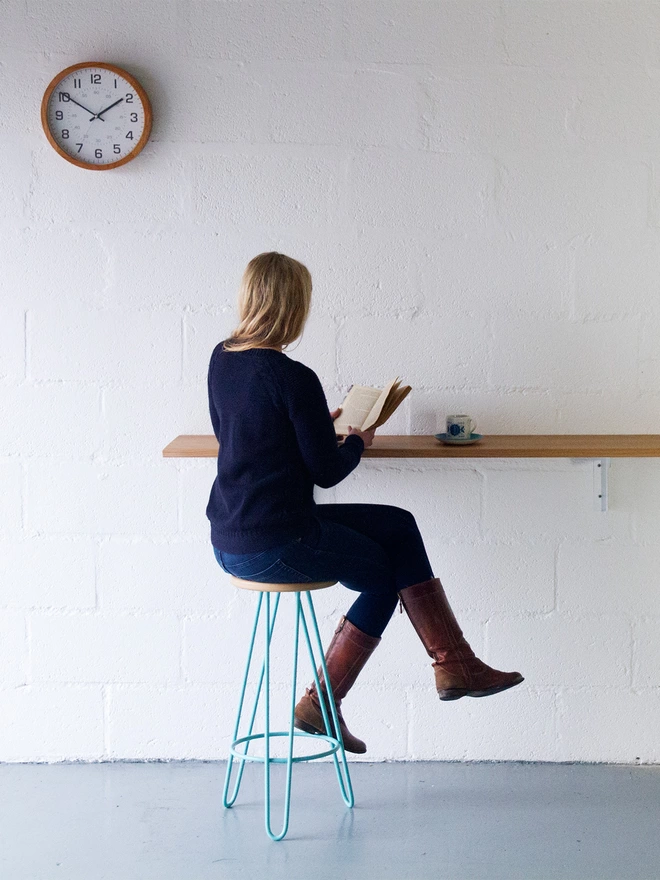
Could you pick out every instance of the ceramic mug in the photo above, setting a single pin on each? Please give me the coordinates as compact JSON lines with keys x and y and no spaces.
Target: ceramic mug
{"x":460,"y":427}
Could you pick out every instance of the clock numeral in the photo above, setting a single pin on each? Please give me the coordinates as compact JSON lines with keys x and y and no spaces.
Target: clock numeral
{"x":129,"y":98}
{"x":134,"y":117}
{"x":98,"y":154}
{"x":95,"y":78}
{"x":116,"y":148}
{"x":115,"y":83}
{"x":80,"y":146}
{"x":77,"y":83}
{"x":64,"y":96}
{"x":65,"y":133}
{"x":59,"y":115}
{"x":129,"y":135}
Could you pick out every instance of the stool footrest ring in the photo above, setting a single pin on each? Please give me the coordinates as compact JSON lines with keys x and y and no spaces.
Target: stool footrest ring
{"x":330,"y":740}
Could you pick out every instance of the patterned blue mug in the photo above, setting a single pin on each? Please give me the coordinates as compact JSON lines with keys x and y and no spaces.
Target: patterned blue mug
{"x":460,"y":427}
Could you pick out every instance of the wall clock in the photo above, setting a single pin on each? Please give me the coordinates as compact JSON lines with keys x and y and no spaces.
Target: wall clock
{"x":96,"y":115}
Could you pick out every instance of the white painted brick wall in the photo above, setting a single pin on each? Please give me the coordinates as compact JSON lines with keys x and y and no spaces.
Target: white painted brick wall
{"x":12,"y":338}
{"x":476,"y":191}
{"x":108,"y":648}
{"x":90,"y":343}
{"x":13,"y":648}
{"x":52,"y":722}
{"x":93,"y":499}
{"x":11,"y":512}
{"x":48,"y":572}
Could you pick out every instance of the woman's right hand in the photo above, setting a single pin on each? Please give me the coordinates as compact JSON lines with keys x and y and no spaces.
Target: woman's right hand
{"x":367,"y":436}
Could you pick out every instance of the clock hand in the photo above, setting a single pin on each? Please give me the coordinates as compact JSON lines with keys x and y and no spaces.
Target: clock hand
{"x":93,"y":115}
{"x":109,"y":108}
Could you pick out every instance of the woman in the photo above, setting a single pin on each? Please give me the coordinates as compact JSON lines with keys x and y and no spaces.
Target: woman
{"x":277,"y":440}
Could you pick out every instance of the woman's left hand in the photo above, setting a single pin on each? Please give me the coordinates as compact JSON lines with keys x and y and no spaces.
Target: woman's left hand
{"x":334,"y":414}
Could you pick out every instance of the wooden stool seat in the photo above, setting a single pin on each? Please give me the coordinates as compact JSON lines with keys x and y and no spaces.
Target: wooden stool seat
{"x":280,"y":588}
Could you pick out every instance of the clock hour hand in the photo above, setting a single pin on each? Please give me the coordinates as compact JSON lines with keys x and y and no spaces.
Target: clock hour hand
{"x":100,"y":115}
{"x":73,"y":101}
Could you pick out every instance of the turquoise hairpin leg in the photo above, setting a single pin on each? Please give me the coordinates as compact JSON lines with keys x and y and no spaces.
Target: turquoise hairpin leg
{"x":226,"y":800}
{"x":267,"y":758}
{"x":345,"y":785}
{"x":327,"y":707}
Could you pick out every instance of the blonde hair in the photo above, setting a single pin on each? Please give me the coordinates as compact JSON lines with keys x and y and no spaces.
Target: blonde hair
{"x":273,"y":303}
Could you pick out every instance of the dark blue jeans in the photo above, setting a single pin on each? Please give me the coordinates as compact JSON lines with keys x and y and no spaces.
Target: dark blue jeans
{"x":374,"y":549}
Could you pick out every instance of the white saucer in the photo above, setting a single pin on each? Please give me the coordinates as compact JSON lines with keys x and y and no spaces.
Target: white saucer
{"x":454,"y":441}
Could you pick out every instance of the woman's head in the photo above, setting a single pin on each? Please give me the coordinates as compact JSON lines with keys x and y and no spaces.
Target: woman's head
{"x":273,"y":303}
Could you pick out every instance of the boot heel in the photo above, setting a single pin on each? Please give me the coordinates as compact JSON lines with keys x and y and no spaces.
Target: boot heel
{"x":303,"y":725}
{"x":452,"y":693}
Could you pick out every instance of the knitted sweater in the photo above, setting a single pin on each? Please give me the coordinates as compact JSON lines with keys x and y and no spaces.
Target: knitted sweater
{"x":271,"y":419}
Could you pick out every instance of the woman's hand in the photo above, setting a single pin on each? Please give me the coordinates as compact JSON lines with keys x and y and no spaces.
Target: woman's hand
{"x":367,"y":436}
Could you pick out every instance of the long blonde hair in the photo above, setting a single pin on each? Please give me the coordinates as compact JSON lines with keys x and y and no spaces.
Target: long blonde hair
{"x":273,"y":303}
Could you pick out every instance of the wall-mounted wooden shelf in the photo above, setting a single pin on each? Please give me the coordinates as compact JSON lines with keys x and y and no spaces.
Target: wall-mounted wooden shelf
{"x":491,"y":446}
{"x":600,"y":447}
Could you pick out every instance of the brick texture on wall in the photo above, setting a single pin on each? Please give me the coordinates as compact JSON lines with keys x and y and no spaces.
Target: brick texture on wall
{"x":474,"y":186}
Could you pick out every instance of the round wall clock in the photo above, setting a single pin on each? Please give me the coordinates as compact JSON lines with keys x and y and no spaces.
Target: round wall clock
{"x":96,"y":115}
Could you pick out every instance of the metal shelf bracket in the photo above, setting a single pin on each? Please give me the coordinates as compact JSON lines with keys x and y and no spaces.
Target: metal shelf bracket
{"x":601,"y":468}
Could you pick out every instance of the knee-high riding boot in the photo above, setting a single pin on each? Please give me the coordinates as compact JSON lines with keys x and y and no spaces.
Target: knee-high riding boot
{"x":458,"y":672}
{"x":345,"y":658}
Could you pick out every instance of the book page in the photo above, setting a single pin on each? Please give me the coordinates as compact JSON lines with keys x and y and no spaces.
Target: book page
{"x":377,"y":408}
{"x":356,"y":407}
{"x":392,"y":403}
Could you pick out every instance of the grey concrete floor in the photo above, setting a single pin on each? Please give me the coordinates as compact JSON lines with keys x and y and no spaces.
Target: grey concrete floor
{"x":417,"y":820}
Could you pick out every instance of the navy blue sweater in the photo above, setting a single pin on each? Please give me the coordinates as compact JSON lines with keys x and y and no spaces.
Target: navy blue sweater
{"x":277,"y":440}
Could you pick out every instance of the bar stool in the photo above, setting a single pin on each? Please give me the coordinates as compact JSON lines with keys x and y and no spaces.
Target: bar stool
{"x":240,"y":745}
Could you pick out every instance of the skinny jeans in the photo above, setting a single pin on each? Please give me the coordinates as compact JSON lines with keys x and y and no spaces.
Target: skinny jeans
{"x":373,"y":549}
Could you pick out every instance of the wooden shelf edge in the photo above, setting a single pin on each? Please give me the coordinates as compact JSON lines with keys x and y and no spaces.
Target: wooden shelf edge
{"x":492,"y":446}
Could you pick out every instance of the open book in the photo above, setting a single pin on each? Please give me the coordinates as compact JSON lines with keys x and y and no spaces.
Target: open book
{"x":366,"y":407}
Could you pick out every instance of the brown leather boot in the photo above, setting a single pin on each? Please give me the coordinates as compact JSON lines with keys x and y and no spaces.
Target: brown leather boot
{"x":458,"y":673}
{"x":347,"y":653}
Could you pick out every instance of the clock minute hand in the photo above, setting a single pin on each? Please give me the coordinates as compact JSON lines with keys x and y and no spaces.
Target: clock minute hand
{"x":73,"y":101}
{"x":100,"y":115}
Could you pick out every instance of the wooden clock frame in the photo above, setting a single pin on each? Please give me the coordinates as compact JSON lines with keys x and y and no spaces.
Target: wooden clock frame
{"x":135,"y":85}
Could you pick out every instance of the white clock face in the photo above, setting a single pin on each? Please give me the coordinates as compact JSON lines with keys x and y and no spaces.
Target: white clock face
{"x":96,"y":116}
